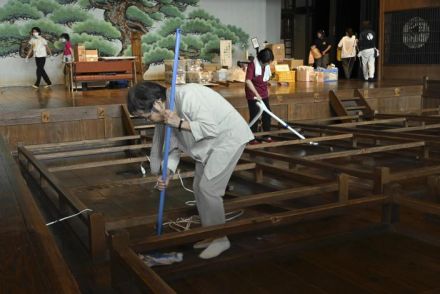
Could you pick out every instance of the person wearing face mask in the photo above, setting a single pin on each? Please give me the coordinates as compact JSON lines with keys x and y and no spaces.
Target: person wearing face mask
{"x":67,"y":50}
{"x":40,"y":50}
{"x":206,"y":127}
{"x":257,"y":75}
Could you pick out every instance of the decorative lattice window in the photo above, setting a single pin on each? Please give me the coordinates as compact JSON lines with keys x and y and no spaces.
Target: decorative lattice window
{"x":412,"y":36}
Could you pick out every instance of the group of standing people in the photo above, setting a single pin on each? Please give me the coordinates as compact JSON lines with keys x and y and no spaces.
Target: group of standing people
{"x":40,"y":49}
{"x":351,"y":47}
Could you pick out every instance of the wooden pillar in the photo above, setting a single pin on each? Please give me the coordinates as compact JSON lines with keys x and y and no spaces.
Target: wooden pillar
{"x":258,"y":174}
{"x":136,"y":49}
{"x":381,"y":39}
{"x":381,"y":178}
{"x":97,"y":239}
{"x":343,"y":188}
{"x":119,"y":277}
{"x":434,"y":186}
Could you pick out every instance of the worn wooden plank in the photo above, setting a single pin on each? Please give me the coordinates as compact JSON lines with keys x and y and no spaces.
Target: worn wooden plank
{"x":97,"y":164}
{"x":419,"y":205}
{"x":55,"y":183}
{"x":414,"y":173}
{"x":151,"y":179}
{"x":412,"y":129}
{"x":254,"y":223}
{"x":241,"y":202}
{"x":125,"y":261}
{"x":371,"y":122}
{"x":104,"y":150}
{"x":52,"y":147}
{"x":300,"y":141}
{"x":297,"y":160}
{"x":58,"y":115}
{"x":367,"y":150}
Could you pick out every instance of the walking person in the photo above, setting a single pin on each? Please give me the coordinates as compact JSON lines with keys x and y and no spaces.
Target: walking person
{"x":257,"y":76}
{"x":40,"y":51}
{"x":348,"y":45}
{"x":206,"y":127}
{"x":367,"y":51}
{"x":322,"y":44}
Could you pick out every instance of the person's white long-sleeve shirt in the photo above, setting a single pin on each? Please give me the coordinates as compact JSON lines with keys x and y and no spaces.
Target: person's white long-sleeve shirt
{"x":217,"y":131}
{"x":348,"y":45}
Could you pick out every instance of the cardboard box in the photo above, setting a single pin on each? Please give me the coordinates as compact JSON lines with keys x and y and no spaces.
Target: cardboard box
{"x":92,"y":55}
{"x":292,"y":63}
{"x":279,"y":52}
{"x":211,"y":66}
{"x":305,"y":74}
{"x":79,"y":52}
{"x":285,"y":76}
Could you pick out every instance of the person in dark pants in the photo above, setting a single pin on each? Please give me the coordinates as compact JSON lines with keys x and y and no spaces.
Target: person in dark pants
{"x":257,"y":75}
{"x":348,"y":45}
{"x":40,"y":50}
{"x":323,"y":45}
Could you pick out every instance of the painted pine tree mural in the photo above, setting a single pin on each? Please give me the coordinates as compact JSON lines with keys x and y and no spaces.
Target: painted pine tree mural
{"x":156,"y":19}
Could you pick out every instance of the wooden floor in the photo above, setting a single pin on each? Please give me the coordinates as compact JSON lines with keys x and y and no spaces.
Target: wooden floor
{"x":347,"y":253}
{"x":23,"y":98}
{"x":383,"y":263}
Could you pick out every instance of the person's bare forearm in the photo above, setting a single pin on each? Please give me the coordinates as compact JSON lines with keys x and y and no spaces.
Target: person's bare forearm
{"x":251,"y":86}
{"x":327,"y":50}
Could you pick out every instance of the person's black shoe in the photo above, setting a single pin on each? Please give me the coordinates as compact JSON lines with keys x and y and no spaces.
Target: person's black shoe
{"x":371,"y":80}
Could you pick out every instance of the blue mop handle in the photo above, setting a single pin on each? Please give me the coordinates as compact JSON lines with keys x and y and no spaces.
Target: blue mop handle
{"x":168,"y":134}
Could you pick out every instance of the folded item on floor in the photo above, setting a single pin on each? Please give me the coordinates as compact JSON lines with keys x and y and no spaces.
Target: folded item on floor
{"x":154,"y":259}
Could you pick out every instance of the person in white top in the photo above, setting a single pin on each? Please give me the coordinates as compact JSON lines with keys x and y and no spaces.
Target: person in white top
{"x":348,"y":45}
{"x":40,"y":51}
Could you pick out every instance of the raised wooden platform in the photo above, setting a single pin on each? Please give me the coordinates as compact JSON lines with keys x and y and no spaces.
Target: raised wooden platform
{"x":30,"y":259}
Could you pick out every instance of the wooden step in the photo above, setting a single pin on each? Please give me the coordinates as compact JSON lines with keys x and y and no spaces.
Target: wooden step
{"x":355,"y":108}
{"x":349,"y":99}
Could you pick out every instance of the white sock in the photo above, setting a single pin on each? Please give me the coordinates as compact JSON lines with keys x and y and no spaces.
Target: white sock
{"x":202,"y":244}
{"x":216,"y":247}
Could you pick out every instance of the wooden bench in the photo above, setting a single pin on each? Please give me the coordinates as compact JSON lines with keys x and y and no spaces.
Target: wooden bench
{"x":103,"y":71}
{"x":30,"y":259}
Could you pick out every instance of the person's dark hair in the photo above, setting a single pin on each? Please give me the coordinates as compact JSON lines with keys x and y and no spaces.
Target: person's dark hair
{"x":143,"y":95}
{"x":265,"y":55}
{"x":36,"y":29}
{"x":349,"y":32}
{"x":65,"y":36}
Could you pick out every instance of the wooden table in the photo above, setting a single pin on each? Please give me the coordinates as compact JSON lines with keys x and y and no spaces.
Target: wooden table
{"x":103,"y":70}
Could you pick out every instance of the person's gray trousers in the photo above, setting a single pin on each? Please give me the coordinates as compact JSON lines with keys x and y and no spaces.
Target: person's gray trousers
{"x":209,"y":193}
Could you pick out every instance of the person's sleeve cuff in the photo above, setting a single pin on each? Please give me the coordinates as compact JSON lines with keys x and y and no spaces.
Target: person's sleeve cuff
{"x":196,"y":130}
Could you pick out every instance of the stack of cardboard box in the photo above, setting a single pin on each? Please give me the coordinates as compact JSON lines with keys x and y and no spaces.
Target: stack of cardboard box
{"x":81,"y":54}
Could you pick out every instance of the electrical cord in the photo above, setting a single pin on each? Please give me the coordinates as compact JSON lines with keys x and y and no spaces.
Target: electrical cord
{"x":184,"y":223}
{"x":67,"y":217}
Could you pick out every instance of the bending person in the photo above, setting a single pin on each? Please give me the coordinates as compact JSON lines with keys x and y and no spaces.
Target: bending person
{"x":207,"y":128}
